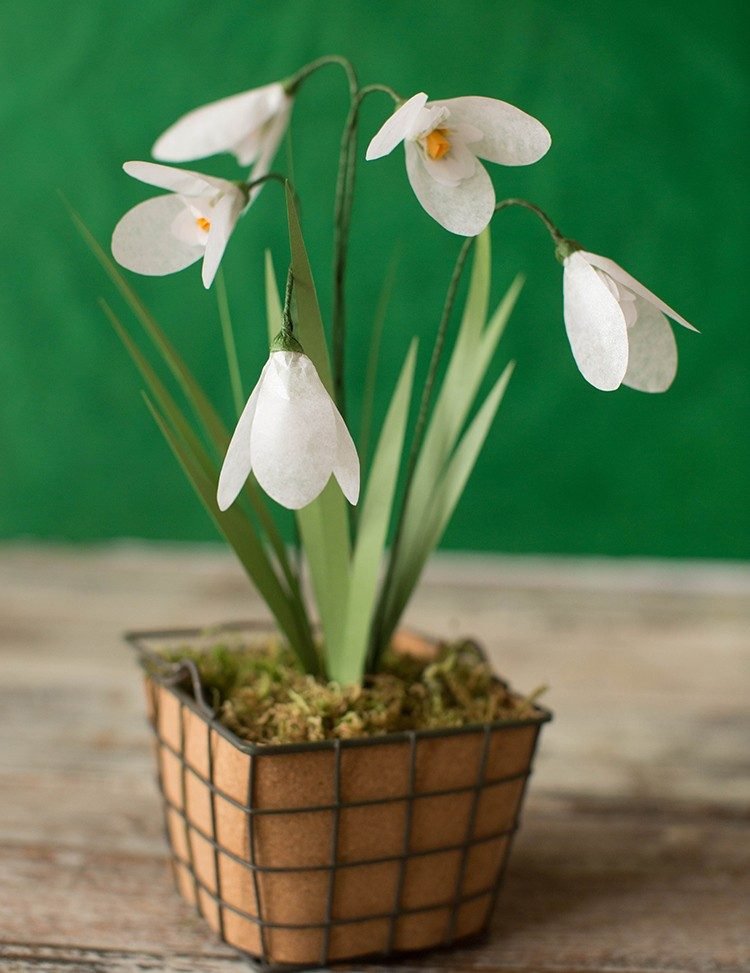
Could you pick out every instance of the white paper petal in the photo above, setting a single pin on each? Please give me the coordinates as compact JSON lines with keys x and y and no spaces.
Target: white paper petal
{"x":271,"y":140}
{"x":346,"y":464}
{"x":182,"y":181}
{"x":465,"y":209}
{"x":237,"y":464}
{"x":396,"y":128}
{"x":219,"y":126}
{"x":293,"y":441}
{"x":511,"y":137}
{"x":143,"y":240}
{"x":652,"y":362}
{"x":223,"y":218}
{"x":623,"y":277}
{"x":595,"y":325}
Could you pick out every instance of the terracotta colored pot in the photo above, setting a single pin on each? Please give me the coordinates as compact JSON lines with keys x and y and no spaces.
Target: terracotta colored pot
{"x":306,"y":854}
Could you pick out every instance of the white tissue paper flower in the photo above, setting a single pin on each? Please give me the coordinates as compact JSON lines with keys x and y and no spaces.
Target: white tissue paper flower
{"x":168,"y":233}
{"x":291,"y":436}
{"x":617,"y":328}
{"x":444,"y":141}
{"x":250,"y":125}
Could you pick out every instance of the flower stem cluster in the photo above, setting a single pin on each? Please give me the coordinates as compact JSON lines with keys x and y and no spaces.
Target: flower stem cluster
{"x":292,"y":435}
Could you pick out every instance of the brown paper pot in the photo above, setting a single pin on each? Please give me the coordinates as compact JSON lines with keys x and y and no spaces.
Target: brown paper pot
{"x":310,"y":853}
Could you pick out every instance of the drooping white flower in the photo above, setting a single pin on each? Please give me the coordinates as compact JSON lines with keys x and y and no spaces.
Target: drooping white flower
{"x":250,"y":125}
{"x":617,"y":328}
{"x":444,"y":141}
{"x":168,"y":233}
{"x":291,"y":436}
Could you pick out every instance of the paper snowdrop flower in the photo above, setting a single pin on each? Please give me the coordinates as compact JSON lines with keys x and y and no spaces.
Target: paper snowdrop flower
{"x":291,"y":436}
{"x":168,"y":233}
{"x":250,"y":125}
{"x":444,"y":141}
{"x":617,"y":328}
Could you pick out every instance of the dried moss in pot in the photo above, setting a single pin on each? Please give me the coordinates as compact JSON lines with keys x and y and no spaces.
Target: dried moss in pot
{"x":261,"y":694}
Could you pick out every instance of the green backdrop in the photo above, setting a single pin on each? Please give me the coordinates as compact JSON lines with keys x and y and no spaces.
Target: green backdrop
{"x":647,"y":105}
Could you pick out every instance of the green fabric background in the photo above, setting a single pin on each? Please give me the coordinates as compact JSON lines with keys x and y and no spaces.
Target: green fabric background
{"x":647,"y":105}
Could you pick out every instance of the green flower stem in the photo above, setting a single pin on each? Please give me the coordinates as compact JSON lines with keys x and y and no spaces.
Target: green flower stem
{"x":285,"y":340}
{"x":292,"y":84}
{"x":556,"y":235}
{"x":376,"y":647}
{"x":341,"y":223}
{"x":230,"y":347}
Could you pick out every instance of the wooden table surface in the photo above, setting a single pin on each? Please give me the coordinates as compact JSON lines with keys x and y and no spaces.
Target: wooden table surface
{"x":634,"y":852}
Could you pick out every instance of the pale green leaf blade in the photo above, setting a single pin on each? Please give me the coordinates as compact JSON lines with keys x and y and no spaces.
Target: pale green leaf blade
{"x":323,"y":524}
{"x":209,"y":418}
{"x":274,"y":310}
{"x":471,"y":358}
{"x":250,"y":490}
{"x":238,"y":532}
{"x":445,"y":496}
{"x":309,"y":329}
{"x":373,"y":525}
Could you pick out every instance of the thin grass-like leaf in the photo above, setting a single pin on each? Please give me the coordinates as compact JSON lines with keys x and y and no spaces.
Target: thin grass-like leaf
{"x":323,"y":524}
{"x":215,"y":430}
{"x":274,"y":310}
{"x":230,"y":346}
{"x":445,"y":496}
{"x":470,"y":360}
{"x":233,"y":525}
{"x":240,"y":531}
{"x":373,"y":526}
{"x":309,"y":329}
{"x":205,"y":412}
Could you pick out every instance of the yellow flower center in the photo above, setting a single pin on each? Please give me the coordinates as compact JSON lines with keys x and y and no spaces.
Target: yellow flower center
{"x":203,"y":223}
{"x":436,"y":143}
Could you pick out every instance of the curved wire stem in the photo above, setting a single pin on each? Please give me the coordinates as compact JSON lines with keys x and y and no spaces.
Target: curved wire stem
{"x":376,"y":647}
{"x":342,"y":225}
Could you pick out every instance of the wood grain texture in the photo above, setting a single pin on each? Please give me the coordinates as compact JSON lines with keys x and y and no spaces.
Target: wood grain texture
{"x":634,"y":853}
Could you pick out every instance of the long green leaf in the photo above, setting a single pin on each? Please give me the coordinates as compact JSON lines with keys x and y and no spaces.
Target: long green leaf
{"x":233,"y":525}
{"x":323,"y":524}
{"x":212,"y":424}
{"x":470,"y":360}
{"x":208,"y":416}
{"x":309,"y":329}
{"x":373,"y":526}
{"x":261,"y":572}
{"x":446,"y":494}
{"x":274,"y":310}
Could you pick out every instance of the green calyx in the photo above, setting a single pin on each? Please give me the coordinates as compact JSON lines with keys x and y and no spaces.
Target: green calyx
{"x":285,"y":341}
{"x":564,"y":247}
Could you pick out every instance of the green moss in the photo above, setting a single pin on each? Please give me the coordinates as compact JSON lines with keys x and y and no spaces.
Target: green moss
{"x":261,"y":694}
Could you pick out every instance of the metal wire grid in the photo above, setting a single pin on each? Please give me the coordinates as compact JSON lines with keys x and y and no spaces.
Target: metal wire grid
{"x":172,"y":675}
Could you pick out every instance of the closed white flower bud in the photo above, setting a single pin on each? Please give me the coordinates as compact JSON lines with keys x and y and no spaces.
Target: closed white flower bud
{"x":291,"y":436}
{"x":617,"y":328}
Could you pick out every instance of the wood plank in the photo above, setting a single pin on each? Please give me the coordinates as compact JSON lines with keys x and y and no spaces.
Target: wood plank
{"x":635,"y":849}
{"x":592,"y":885}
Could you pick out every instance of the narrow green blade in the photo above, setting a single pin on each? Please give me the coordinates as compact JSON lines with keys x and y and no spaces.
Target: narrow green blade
{"x":309,"y":329}
{"x":262,"y":573}
{"x":445,"y":496}
{"x":373,"y":527}
{"x":215,"y":430}
{"x":274,"y":310}
{"x":323,"y":524}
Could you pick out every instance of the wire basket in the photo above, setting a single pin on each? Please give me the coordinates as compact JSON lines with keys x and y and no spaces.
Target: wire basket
{"x":306,"y":854}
